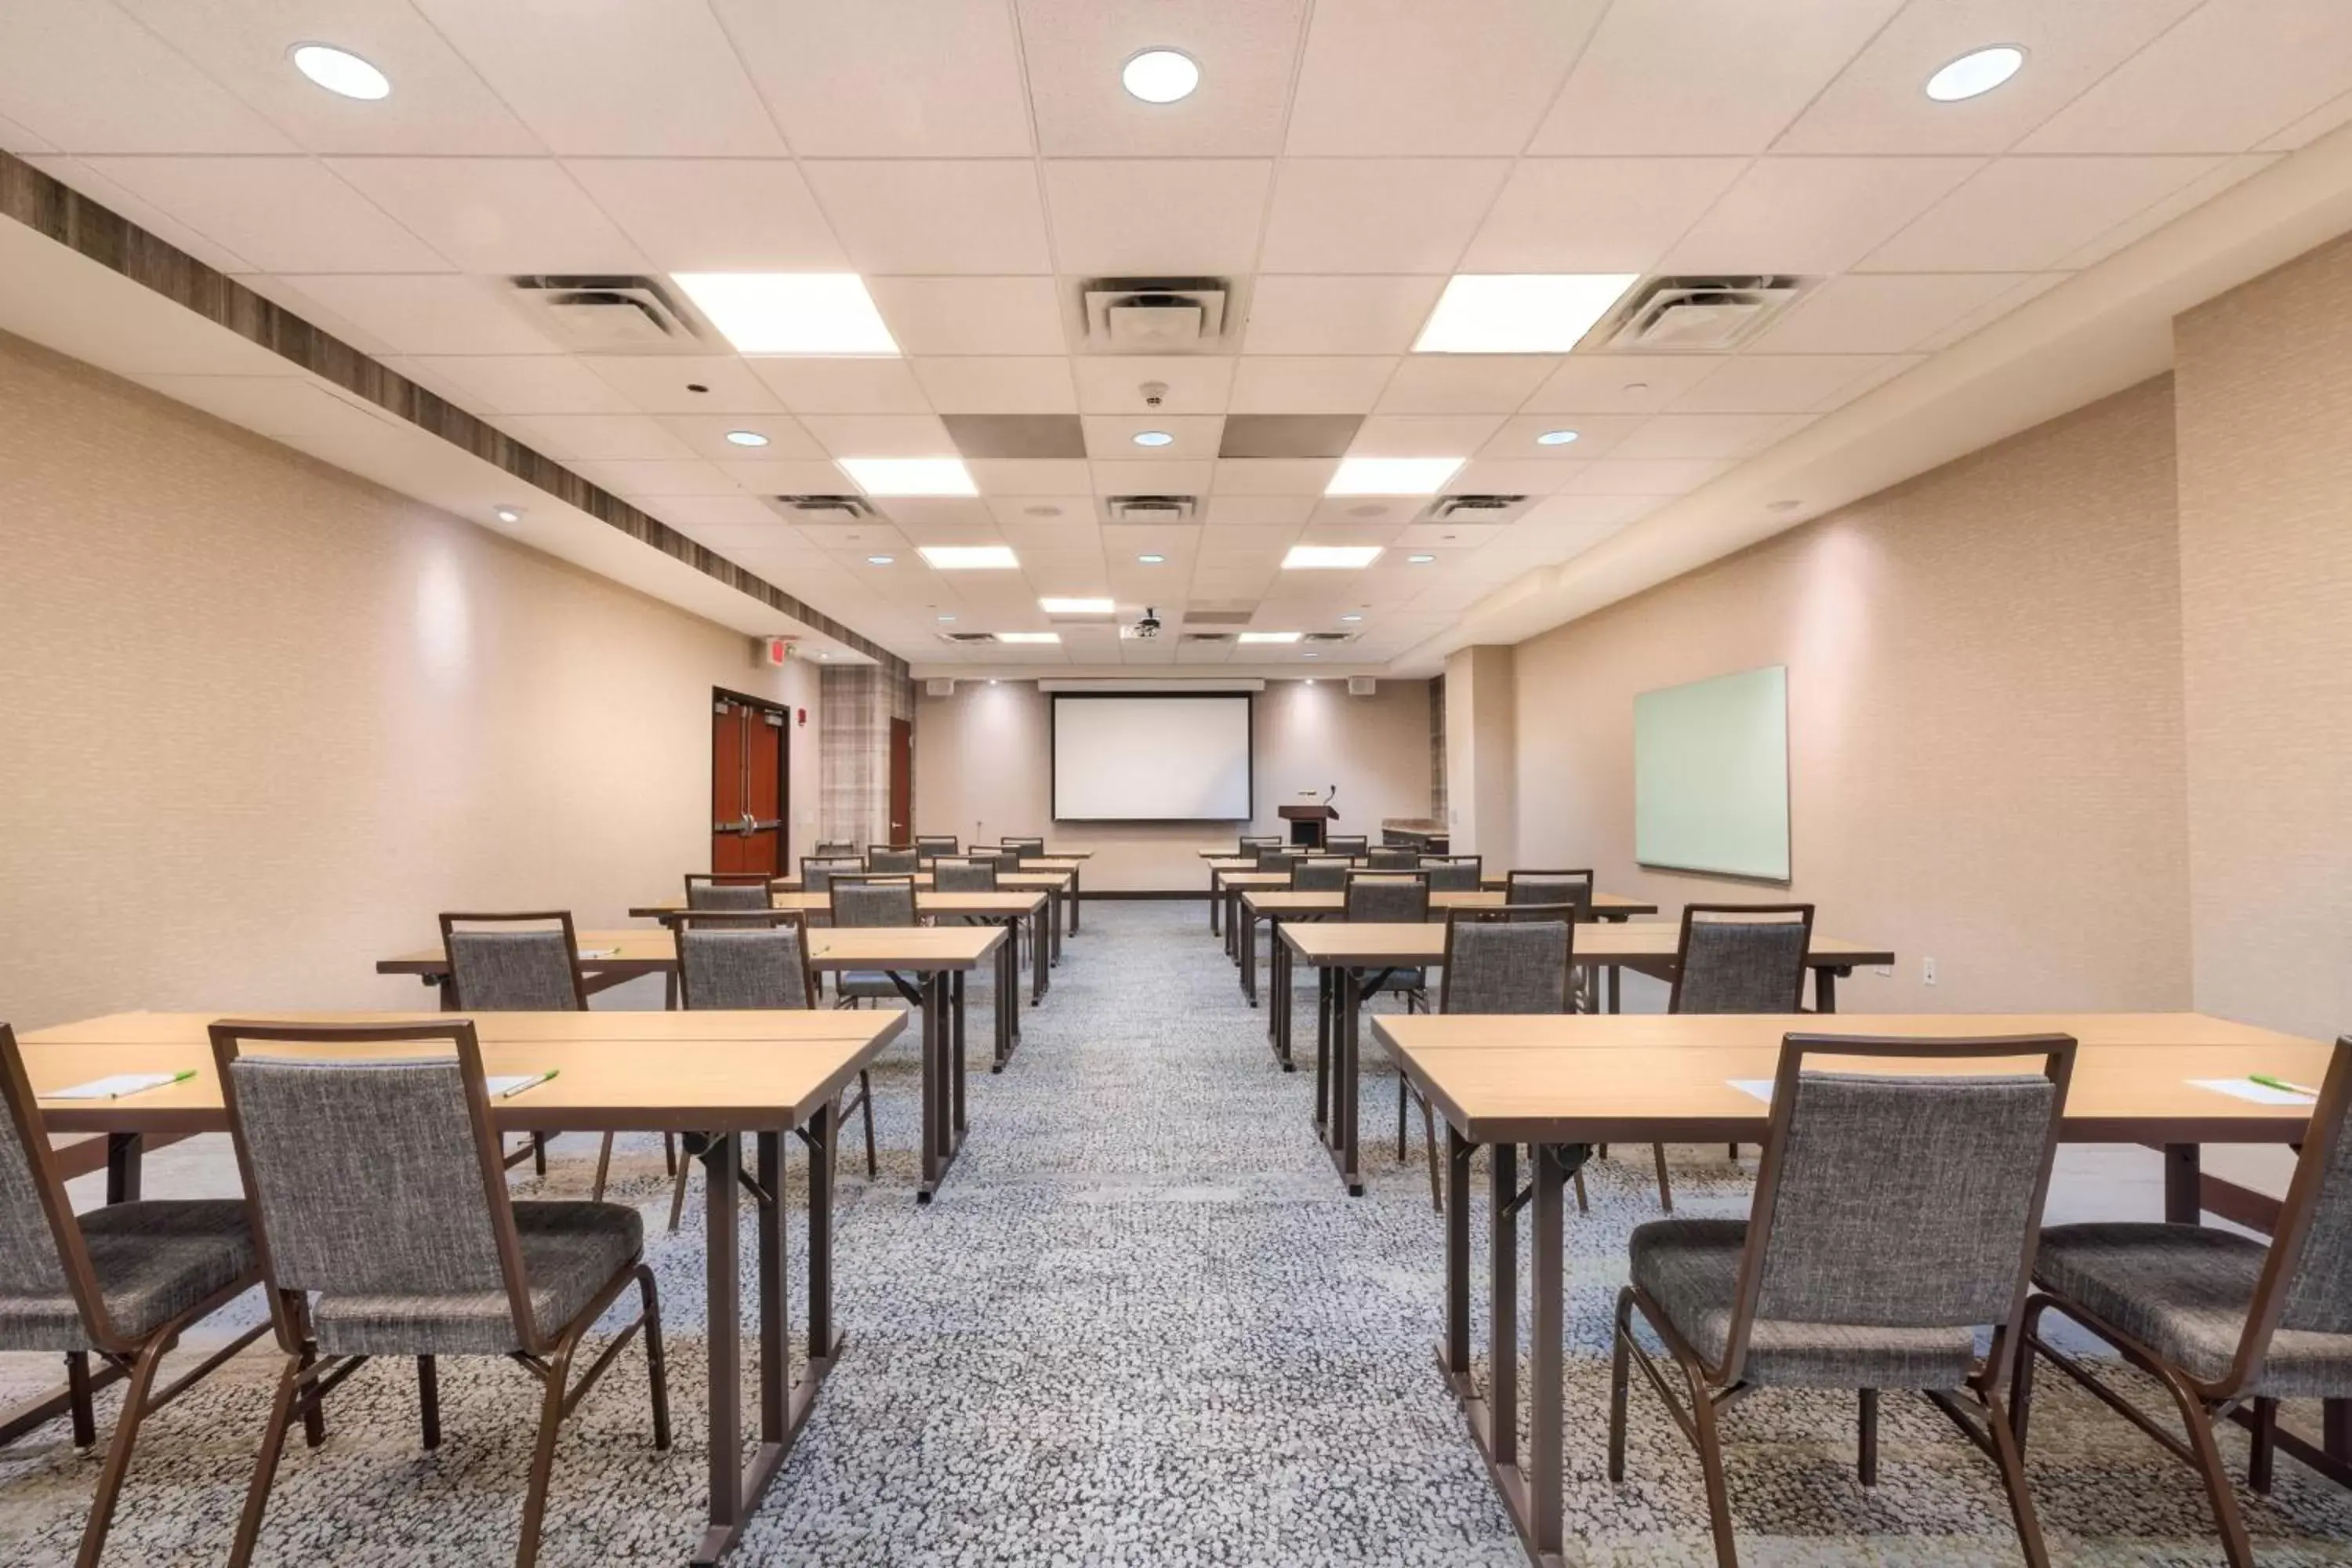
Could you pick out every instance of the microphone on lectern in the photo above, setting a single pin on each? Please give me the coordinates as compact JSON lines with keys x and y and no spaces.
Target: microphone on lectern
{"x":1332,"y":797}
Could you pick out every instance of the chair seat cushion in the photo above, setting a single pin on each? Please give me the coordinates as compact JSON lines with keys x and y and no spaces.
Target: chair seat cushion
{"x":1394,"y":981}
{"x":153,"y":1261}
{"x":868,"y":982}
{"x":1690,"y":1269}
{"x":2182,"y":1290}
{"x":570,"y":1251}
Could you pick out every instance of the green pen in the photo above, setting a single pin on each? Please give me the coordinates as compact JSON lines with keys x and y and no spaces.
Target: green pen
{"x":183,"y":1074}
{"x":2282,"y":1085}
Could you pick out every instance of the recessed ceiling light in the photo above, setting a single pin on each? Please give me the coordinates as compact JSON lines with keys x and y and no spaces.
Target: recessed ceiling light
{"x":508,"y":513}
{"x":1310,"y":656}
{"x":1077,"y":606}
{"x":1310,"y":679}
{"x":1330,"y":556}
{"x":1027,"y":636}
{"x":1976,"y":73}
{"x":1391,"y":475}
{"x":1520,"y":312}
{"x":947,"y":618}
{"x":910,"y":476}
{"x":1161,"y":76}
{"x":1041,"y":511}
{"x":747,"y":438}
{"x":1790,"y":504}
{"x":1555,"y":437}
{"x":880,"y":560}
{"x":791,"y":312}
{"x":1154,"y":438}
{"x":968,"y":557}
{"x":1351,"y":617}
{"x":1271,"y":636}
{"x":1151,"y":560}
{"x":1419,"y":560}
{"x":824,"y":656}
{"x":340,"y":72}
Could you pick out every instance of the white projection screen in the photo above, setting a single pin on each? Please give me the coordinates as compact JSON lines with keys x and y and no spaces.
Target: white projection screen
{"x":1133,"y":758}
{"x":1711,"y":775}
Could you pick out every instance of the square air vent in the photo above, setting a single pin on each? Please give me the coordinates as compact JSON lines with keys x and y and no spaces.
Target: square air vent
{"x":819,"y":511}
{"x":1199,"y":616}
{"x":968,"y":639}
{"x":1330,"y":636}
{"x":1694,"y":315}
{"x":1154,"y":315}
{"x":1207,"y":636}
{"x":1473,"y":509}
{"x":1150,"y":509}
{"x":608,"y":313}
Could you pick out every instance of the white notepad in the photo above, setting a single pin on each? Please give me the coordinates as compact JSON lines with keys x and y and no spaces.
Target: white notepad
{"x":598,"y":952}
{"x":501,"y":1085}
{"x":116,"y":1087}
{"x":2247,"y":1089}
{"x":1761,"y":1088}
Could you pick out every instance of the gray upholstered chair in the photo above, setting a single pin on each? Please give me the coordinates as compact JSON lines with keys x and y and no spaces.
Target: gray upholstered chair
{"x":1453,"y":873}
{"x":1573,"y":888}
{"x":1392,"y":898}
{"x":1318,"y":874}
{"x":1894,"y":1217}
{"x":1279,"y":856}
{"x":120,"y":1283}
{"x":728,"y":891}
{"x":893,"y":859}
{"x":817,"y":871}
{"x":1028,"y":848}
{"x":1392,"y":859}
{"x":932,"y":846}
{"x":964,"y":876}
{"x":1250,"y":843}
{"x":872,"y":900}
{"x":2227,"y":1326}
{"x":1347,"y":843}
{"x":752,"y":963}
{"x":374,"y":1190}
{"x":1006,"y":861}
{"x":838,"y":849}
{"x":527,"y":963}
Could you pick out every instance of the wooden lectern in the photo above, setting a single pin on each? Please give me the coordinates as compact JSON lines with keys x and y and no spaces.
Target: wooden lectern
{"x":1308,"y":822}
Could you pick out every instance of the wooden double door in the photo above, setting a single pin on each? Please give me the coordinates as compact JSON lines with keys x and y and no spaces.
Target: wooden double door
{"x":750,"y":743}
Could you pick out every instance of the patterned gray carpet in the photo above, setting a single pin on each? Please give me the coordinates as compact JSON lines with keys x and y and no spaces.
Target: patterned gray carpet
{"x":1141,"y":1326}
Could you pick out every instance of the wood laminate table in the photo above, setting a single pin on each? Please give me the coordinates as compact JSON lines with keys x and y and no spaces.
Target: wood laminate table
{"x":1060,"y":862}
{"x":1562,"y":1083}
{"x":1060,"y":887}
{"x":735,"y":1075}
{"x":941,"y":956}
{"x":1229,"y":885}
{"x":1344,"y":952}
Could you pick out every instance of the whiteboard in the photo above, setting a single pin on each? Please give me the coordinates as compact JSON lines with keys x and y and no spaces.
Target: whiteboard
{"x":1711,"y":775}
{"x":1151,"y":759}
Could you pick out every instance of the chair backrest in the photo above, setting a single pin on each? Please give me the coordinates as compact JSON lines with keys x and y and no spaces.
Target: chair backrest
{"x":1388,"y":897}
{"x":513,"y":963}
{"x":836,"y":849}
{"x":964,"y":876}
{"x":41,"y":1246}
{"x":2306,"y":1281}
{"x":1571,"y":888}
{"x":1279,"y":856}
{"x":1345,"y":843}
{"x":932,"y":846}
{"x":873,"y":901}
{"x":727,"y":890}
{"x":372,"y":1175}
{"x":1034,"y":849}
{"x":745,"y":960}
{"x":1521,"y":964}
{"x":818,"y":872}
{"x":892,"y":860}
{"x":1392,"y":859}
{"x":1318,"y":874}
{"x":1742,"y":958}
{"x":1901,"y":1201}
{"x":1453,"y":873}
{"x":1250,"y":843}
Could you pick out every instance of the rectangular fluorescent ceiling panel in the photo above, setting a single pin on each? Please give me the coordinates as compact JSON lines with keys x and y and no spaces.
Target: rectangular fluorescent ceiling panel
{"x":1520,"y":312}
{"x":1328,"y":555}
{"x":975,"y":558}
{"x":1391,"y":475}
{"x":1272,"y":636}
{"x":791,"y":312}
{"x":910,"y":476}
{"x":1028,"y":637}
{"x":1077,"y":606}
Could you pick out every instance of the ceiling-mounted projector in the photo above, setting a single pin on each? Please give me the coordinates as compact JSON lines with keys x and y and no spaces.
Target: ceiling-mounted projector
{"x":1149,"y":627}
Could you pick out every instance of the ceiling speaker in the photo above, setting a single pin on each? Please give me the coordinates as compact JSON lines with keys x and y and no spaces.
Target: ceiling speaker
{"x":1361,"y":686}
{"x":940,"y":686}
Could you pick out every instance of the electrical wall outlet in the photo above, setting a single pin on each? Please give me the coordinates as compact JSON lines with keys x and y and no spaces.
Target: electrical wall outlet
{"x":1926,"y":972}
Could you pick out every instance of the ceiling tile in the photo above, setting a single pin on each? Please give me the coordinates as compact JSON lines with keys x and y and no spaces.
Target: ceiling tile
{"x":665,"y":383}
{"x":585,"y":77}
{"x":1814,"y":215}
{"x":1074,"y":50}
{"x":2229,"y":75}
{"x":1110,"y":436}
{"x":1725,"y":435}
{"x":1229,"y":508}
{"x":886,"y":79}
{"x":1273,"y":475}
{"x":1032,"y":477}
{"x":1188,"y":383}
{"x":438,"y":105}
{"x":77,"y":175}
{"x":625,"y":438}
{"x":1309,"y":384}
{"x":1465,"y":384}
{"x":657,"y":479}
{"x":881,"y":434}
{"x":2021,"y":215}
{"x":1512,"y":476}
{"x":434,"y":313}
{"x":706,"y":436}
{"x":283,"y":214}
{"x":1596,"y":214}
{"x":1036,"y":521}
{"x":1880,"y":102}
{"x":1018,"y":437}
{"x":740,"y":514}
{"x":1423,"y":435}
{"x":1703,"y":76}
{"x":1881,"y":313}
{"x":1597,"y":435}
{"x":1670,"y":477}
{"x":1619,"y":384}
{"x":2311,"y":127}
{"x":1157,"y":217}
{"x":87,"y":79}
{"x":981,"y":384}
{"x":496,"y":214}
{"x":1377,"y":214}
{"x":924,"y":216}
{"x":1150,"y":478}
{"x":714,"y":214}
{"x":1785,"y":384}
{"x":2150,"y":218}
{"x":1583,"y":511}
{"x":1403,"y":77}
{"x":1325,"y":315}
{"x":1994,"y":309}
{"x":970,"y":315}
{"x":1288,"y":435}
{"x":788,"y":476}
{"x":842,"y":385}
{"x":517,"y":384}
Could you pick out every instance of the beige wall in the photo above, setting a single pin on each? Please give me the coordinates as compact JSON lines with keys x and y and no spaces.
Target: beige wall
{"x":1985,"y":719}
{"x":2265,"y":391}
{"x":983,"y":768}
{"x":263,"y":719}
{"x":1482,"y":785}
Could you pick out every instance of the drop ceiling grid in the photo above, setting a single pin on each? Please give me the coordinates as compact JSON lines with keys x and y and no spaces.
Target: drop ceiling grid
{"x":629,"y":183}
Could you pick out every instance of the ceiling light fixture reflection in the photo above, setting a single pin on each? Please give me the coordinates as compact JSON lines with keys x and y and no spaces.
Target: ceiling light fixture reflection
{"x":910,"y":476}
{"x":1151,"y":559}
{"x":341,"y":72}
{"x":1555,"y":437}
{"x":1351,"y":617}
{"x":746,"y":438}
{"x":1312,"y":556}
{"x":1270,"y":636}
{"x":1154,"y":438}
{"x":1391,"y":475}
{"x":1027,"y":637}
{"x":1976,"y":73}
{"x":1077,"y":606}
{"x":791,"y":312}
{"x":507,"y":513}
{"x":968,"y":557}
{"x":1419,"y":560}
{"x":1161,"y":76}
{"x":880,"y":560}
{"x":1520,"y":312}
